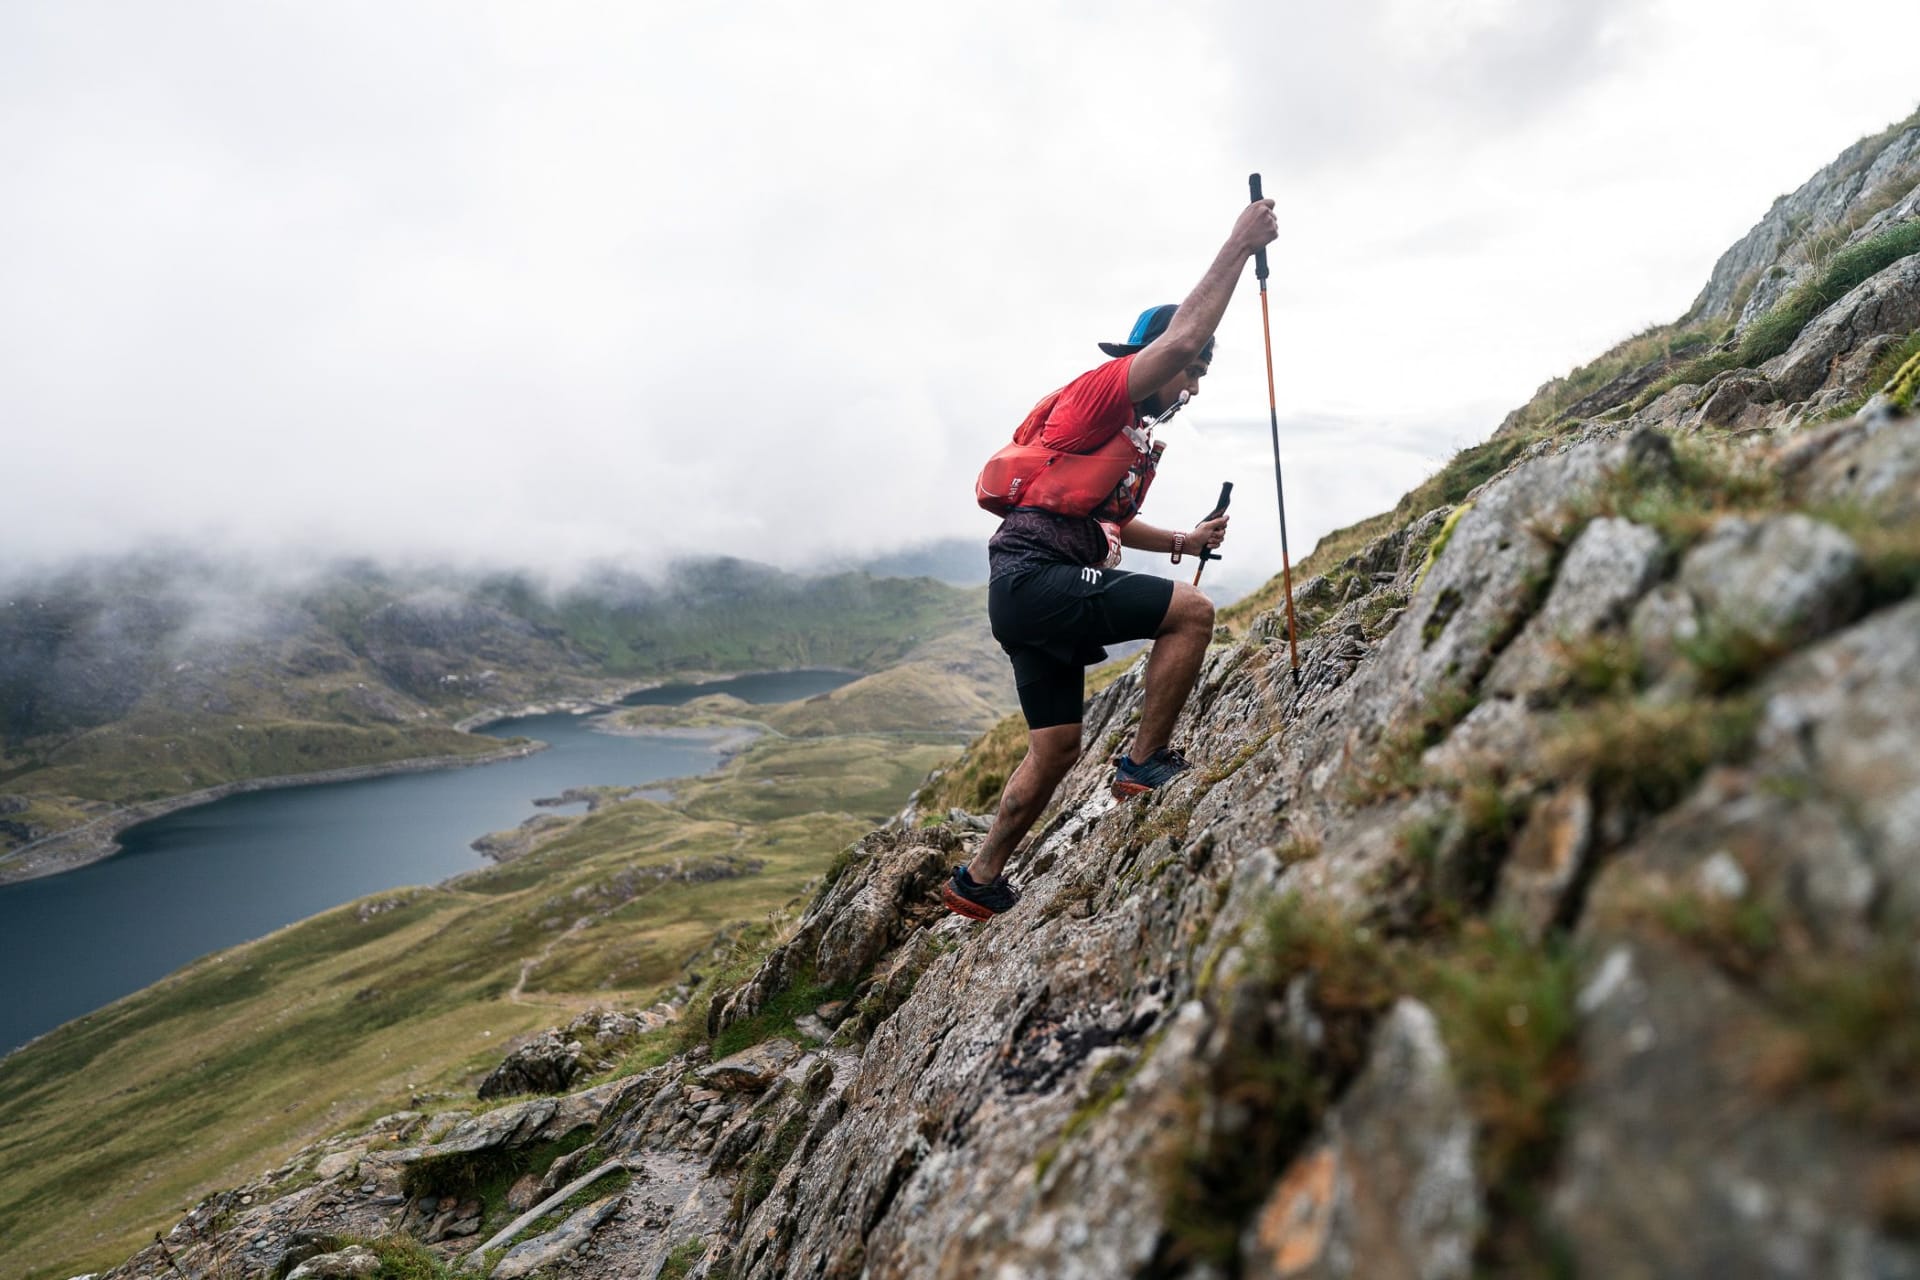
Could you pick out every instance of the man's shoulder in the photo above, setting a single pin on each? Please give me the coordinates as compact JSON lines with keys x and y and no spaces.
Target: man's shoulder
{"x":1102,"y":375}
{"x":1091,"y":407}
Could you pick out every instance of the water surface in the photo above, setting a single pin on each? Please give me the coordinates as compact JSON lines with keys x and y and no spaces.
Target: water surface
{"x":759,"y":686}
{"x":221,"y":873}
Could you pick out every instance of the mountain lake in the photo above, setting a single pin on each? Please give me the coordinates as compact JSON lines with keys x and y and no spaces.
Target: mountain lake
{"x":220,"y":873}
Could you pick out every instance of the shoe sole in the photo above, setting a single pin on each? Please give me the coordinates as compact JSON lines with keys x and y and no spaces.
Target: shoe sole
{"x":1129,"y":790}
{"x":952,"y":900}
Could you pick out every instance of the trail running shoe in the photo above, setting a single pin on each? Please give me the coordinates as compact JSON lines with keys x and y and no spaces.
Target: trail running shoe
{"x":1162,"y":767}
{"x":977,"y":901}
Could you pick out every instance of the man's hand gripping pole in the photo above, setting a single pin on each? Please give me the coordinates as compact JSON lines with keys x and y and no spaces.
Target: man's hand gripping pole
{"x":1219,"y":509}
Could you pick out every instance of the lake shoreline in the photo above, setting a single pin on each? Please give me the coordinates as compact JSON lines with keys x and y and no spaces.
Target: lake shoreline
{"x":582,"y":705}
{"x":100,"y":838}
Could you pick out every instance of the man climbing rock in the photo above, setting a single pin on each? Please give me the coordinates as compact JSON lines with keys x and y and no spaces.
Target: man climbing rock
{"x":1071,"y":487}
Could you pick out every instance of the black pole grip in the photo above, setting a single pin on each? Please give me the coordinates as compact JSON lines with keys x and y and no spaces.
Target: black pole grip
{"x":1259,"y":255}
{"x":1226,"y":496}
{"x":1219,"y":509}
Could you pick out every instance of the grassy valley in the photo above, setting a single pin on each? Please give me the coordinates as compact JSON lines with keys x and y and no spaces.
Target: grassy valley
{"x":114,"y":1122}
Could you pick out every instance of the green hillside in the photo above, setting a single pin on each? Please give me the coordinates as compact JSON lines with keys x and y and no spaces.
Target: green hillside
{"x":114,"y":1122}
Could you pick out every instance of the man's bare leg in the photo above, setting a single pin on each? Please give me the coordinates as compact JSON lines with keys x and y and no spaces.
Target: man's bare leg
{"x":1050,"y":753}
{"x":1179,"y":647}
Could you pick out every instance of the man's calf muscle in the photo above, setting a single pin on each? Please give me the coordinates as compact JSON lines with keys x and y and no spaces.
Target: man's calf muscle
{"x":1051,"y":752}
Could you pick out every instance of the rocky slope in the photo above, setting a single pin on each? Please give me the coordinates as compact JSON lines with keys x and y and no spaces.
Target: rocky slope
{"x":1556,"y":919}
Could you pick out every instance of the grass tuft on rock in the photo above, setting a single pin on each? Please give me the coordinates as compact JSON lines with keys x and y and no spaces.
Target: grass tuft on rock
{"x":1895,"y":375}
{"x":1726,"y":657}
{"x":1855,"y":1034}
{"x":1740,"y":935}
{"x":1456,"y":855}
{"x":778,"y":1015}
{"x":404,"y":1258}
{"x":1506,"y":1007}
{"x":1603,"y":664}
{"x":1683,"y":499}
{"x":1775,"y":331}
{"x":1395,"y":767}
{"x":680,"y":1263}
{"x":1645,"y":757}
{"x":487,"y":1175}
{"x":1889,"y":550}
{"x":1904,"y":385}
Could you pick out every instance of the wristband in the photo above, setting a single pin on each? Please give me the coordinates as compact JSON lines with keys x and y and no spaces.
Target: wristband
{"x":1179,"y":544}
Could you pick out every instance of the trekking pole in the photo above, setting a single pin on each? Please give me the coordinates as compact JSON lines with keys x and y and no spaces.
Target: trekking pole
{"x":1273,"y":416}
{"x":1219,"y":509}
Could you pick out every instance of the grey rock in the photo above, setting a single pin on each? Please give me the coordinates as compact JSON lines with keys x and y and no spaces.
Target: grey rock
{"x":546,"y":1064}
{"x":1487,"y":584}
{"x":1779,"y":581}
{"x":1606,"y":569}
{"x":1841,"y":716}
{"x":1665,"y":621}
{"x":1671,"y":408}
{"x":862,"y":930}
{"x":509,"y":1126}
{"x":338,"y":1163}
{"x":523,"y":1193}
{"x":545,"y":1250}
{"x":970,"y":821}
{"x":752,"y":1069}
{"x":1493,"y":735}
{"x":1392,"y":1192}
{"x":1886,"y":303}
{"x":1872,"y":462}
{"x":1730,"y":397}
{"x":1779,"y":240}
{"x":1675,"y":1165}
{"x":560,"y":1172}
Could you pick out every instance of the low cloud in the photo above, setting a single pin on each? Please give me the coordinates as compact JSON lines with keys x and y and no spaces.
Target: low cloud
{"x":491,"y":284}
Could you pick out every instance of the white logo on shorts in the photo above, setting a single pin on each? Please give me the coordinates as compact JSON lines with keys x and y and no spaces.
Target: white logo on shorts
{"x":1090,"y":576}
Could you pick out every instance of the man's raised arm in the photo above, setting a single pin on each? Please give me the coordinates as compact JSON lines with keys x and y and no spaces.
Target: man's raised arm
{"x":1199,"y":315}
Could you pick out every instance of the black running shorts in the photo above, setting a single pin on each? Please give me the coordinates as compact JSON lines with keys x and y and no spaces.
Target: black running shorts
{"x":1053,"y":619}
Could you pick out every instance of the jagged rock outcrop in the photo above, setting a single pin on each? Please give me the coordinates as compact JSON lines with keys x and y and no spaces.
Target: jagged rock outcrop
{"x":1772,"y":257}
{"x":1836,"y":349}
{"x":1561,"y":908}
{"x":553,"y":1060}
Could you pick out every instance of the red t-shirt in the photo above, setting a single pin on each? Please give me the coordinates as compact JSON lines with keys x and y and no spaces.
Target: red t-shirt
{"x":1091,"y":410}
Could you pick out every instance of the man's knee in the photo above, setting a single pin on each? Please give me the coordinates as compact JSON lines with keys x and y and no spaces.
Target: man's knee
{"x":1054,"y":750}
{"x":1190,"y":610}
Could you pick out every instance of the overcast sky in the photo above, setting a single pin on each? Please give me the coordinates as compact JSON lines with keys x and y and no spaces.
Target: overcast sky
{"x":548,"y":283}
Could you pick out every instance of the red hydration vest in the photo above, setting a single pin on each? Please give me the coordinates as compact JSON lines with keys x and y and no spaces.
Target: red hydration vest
{"x":1109,"y":482}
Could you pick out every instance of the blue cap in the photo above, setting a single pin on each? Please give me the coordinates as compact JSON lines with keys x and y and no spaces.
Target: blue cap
{"x":1152,"y":323}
